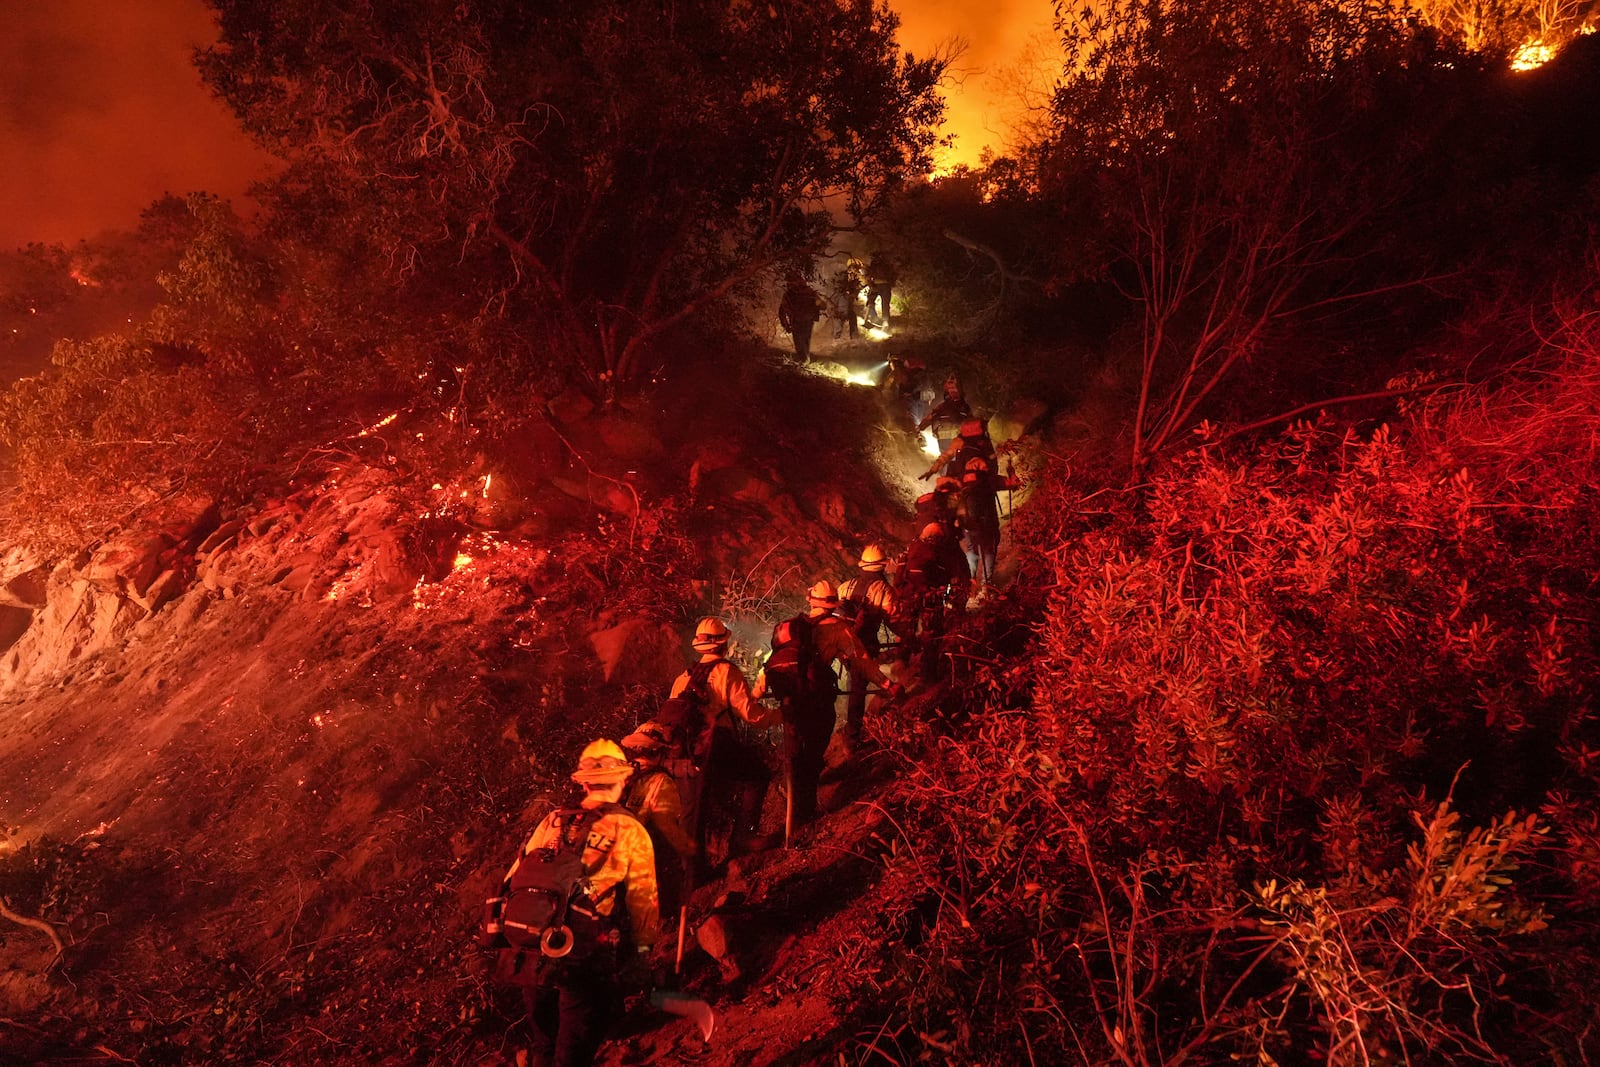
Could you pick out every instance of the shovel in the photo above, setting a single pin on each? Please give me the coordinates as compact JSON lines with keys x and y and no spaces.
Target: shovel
{"x":675,"y":1003}
{"x":689,"y":1007}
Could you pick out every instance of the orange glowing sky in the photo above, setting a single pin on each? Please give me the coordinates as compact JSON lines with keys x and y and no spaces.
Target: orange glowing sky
{"x":101,"y":111}
{"x":1007,"y":41}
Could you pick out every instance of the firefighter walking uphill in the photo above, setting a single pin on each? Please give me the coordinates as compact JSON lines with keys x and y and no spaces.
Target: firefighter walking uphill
{"x":579,"y":912}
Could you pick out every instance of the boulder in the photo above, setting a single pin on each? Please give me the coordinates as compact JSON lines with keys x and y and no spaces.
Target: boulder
{"x":1018,"y":415}
{"x":736,"y":483}
{"x":126,"y":564}
{"x":225,"y":534}
{"x":23,"y":578}
{"x":570,"y":406}
{"x":629,"y":437}
{"x":167,"y":585}
{"x":828,"y":506}
{"x":638,"y":652}
{"x":186,"y":521}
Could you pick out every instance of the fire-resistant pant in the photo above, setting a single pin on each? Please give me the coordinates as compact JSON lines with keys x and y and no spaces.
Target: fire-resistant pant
{"x":878,"y":295}
{"x":807,"y":728}
{"x":856,"y":704}
{"x":801,"y":332}
{"x":569,"y":1015}
{"x":735,"y":783}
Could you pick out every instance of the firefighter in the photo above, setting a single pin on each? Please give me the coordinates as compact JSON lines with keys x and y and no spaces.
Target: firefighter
{"x":946,"y":417}
{"x":868,"y":603}
{"x":654,"y":796}
{"x":576,"y":999}
{"x":906,"y":381}
{"x":881,"y":277}
{"x":735,"y":764}
{"x":937,"y":580}
{"x":799,"y":672}
{"x":938,"y":505}
{"x":847,"y":291}
{"x":979,"y":510}
{"x":972,"y":441}
{"x":798,"y":313}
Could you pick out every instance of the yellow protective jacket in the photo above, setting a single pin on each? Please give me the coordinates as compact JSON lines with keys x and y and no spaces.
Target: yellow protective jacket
{"x":729,"y":694}
{"x":878,"y":595}
{"x":835,"y":641}
{"x":619,"y":863}
{"x":655,"y":798}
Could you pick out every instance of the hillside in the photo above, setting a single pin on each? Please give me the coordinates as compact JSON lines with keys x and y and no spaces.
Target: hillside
{"x":261,"y":763}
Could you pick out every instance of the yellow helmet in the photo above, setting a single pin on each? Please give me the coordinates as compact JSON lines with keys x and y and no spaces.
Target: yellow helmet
{"x":602,"y":762}
{"x":823,"y":595}
{"x":872,"y":558}
{"x":710,"y":635}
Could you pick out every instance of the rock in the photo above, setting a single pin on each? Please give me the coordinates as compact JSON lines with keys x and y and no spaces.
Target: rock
{"x":829,"y":505}
{"x":225,"y":534}
{"x":736,"y":483}
{"x":25,"y":589}
{"x":167,"y":585}
{"x":189,"y":609}
{"x":186,"y":521}
{"x":570,"y":406}
{"x":629,"y":438}
{"x":130,"y":564}
{"x":638,"y":652}
{"x":1021,"y":413}
{"x":14,"y":622}
{"x":262,"y":523}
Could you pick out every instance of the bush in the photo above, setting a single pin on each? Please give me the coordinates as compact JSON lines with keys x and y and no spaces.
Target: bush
{"x":1269,"y":793}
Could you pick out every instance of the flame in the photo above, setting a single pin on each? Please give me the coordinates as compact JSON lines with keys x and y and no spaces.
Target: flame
{"x":930,"y":443}
{"x":462,"y":561}
{"x":488,"y":479}
{"x":1533,"y":54}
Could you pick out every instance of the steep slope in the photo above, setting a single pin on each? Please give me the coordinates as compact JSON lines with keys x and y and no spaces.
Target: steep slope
{"x":259,"y":764}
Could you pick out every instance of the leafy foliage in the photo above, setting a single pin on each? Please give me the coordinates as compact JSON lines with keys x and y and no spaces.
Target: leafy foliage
{"x":598,"y":172}
{"x":1260,"y":786}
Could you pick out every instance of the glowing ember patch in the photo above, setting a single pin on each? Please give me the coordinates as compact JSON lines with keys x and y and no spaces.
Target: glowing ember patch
{"x":380,"y":424}
{"x":318,"y":721}
{"x":462,"y":560}
{"x":488,"y":479}
{"x":876,"y":333}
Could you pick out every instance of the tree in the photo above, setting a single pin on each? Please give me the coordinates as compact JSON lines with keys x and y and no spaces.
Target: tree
{"x":596,"y":173}
{"x":1249,"y":162}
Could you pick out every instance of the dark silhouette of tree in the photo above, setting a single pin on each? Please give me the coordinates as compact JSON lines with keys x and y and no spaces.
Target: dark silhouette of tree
{"x":1248,"y":162}
{"x":598,"y":172}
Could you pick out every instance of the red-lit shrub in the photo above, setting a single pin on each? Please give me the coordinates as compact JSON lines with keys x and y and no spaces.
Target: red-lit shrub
{"x":1268,"y":781}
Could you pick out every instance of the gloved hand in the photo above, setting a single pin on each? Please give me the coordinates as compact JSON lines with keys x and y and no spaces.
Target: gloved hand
{"x":924,"y":476}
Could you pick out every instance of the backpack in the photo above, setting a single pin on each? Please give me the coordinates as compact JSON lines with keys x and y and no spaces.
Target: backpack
{"x":696,"y":727}
{"x":793,"y":668}
{"x":547,"y":907}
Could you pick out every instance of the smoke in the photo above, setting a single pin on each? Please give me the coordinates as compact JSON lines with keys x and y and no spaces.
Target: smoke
{"x":1009,"y":51}
{"x":101,"y":112}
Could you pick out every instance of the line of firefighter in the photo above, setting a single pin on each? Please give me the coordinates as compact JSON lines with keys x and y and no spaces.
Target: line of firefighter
{"x":558,"y":921}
